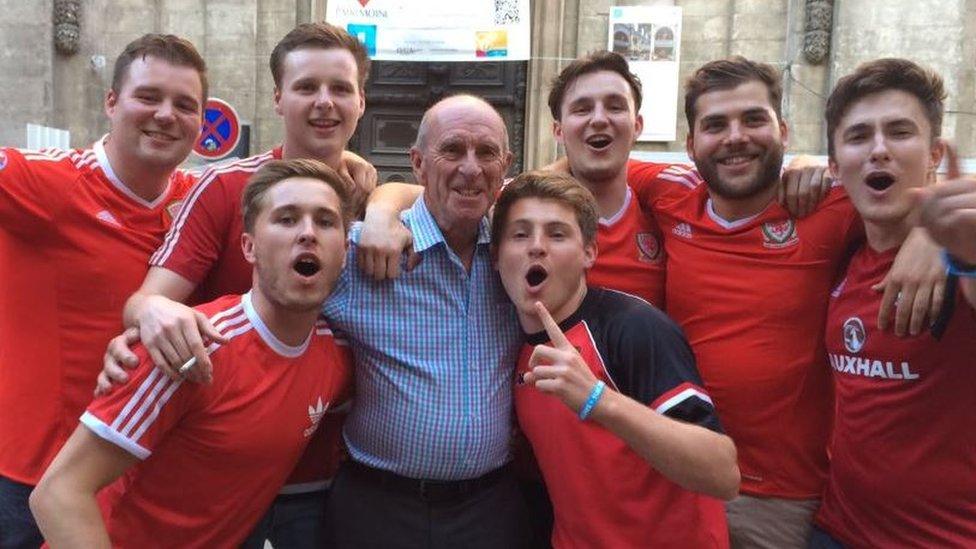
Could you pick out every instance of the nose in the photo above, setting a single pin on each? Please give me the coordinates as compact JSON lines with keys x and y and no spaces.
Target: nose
{"x":306,"y":231}
{"x":164,"y":113}
{"x":470,"y":167}
{"x":879,"y":152}
{"x":735,"y":134}
{"x":324,"y":98}
{"x":599,"y":117}
{"x":537,"y":243}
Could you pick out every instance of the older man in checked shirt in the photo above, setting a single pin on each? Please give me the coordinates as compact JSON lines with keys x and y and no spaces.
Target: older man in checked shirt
{"x":429,"y":431}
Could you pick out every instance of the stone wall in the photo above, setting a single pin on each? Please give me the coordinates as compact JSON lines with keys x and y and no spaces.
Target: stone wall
{"x":42,"y":86}
{"x":236,"y":37}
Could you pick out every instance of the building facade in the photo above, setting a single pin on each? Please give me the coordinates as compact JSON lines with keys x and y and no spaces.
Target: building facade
{"x":56,"y":56}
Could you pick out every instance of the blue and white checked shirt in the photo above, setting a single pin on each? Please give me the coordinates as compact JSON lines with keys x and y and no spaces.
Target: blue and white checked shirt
{"x":435,"y":354}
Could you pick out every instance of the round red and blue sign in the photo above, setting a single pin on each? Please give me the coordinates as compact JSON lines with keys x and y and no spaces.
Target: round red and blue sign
{"x":221,"y":130}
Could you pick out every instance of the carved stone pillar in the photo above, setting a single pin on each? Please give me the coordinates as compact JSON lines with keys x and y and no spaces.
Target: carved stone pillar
{"x":817,"y":25}
{"x":67,"y":25}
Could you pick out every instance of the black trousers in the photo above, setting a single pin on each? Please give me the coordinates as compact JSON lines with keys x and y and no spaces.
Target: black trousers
{"x":364,"y":512}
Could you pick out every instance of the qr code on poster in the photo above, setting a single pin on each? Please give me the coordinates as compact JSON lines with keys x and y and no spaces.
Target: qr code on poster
{"x":506,"y":12}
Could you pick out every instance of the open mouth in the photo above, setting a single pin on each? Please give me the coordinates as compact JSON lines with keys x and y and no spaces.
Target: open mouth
{"x":536,"y":276}
{"x":599,"y":142}
{"x":307,"y":266}
{"x":879,"y":181}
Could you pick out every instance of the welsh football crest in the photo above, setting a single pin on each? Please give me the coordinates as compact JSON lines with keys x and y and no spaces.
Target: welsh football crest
{"x":779,"y":234}
{"x":648,"y":247}
{"x":854,"y":334}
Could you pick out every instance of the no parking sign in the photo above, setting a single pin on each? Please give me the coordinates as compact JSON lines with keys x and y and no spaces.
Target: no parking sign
{"x":220,"y":132}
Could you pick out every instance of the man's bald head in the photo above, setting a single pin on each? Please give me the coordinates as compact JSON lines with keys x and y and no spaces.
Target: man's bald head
{"x":461,"y":101}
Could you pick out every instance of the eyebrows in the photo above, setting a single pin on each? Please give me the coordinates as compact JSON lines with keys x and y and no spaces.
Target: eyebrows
{"x":752,"y":112}
{"x":156,"y":91}
{"x":891,"y":124}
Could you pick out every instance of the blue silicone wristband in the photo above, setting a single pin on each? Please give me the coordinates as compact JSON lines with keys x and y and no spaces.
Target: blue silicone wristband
{"x":956,"y":267}
{"x":592,"y":400}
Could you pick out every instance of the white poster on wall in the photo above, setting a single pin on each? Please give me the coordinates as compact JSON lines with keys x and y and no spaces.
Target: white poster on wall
{"x":437,"y":30}
{"x":650,"y":39}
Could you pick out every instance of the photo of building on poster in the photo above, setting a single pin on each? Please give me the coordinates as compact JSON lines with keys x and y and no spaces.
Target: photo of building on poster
{"x":649,"y":38}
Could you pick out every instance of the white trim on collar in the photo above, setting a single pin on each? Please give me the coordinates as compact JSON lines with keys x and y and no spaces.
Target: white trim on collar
{"x":613,"y":219}
{"x":710,"y":210}
{"x":262,"y":329}
{"x":106,"y":166}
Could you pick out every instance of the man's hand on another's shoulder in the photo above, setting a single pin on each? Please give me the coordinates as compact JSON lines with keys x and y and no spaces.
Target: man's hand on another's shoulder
{"x":804,"y":184}
{"x":383,"y":238}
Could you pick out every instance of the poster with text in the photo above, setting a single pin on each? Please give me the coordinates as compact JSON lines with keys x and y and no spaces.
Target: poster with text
{"x":649,"y":38}
{"x":437,"y":30}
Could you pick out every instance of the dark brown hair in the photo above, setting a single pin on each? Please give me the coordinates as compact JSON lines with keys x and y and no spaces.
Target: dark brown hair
{"x":167,"y":47}
{"x":729,"y":73}
{"x":881,"y":75}
{"x":546,"y":185}
{"x":277,"y":171}
{"x":596,"y":61}
{"x":320,"y":35}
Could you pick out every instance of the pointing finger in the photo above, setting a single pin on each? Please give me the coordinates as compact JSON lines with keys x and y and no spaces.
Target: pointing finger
{"x":556,"y":336}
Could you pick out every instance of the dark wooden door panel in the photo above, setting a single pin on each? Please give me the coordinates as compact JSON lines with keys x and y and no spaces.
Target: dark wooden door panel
{"x":398,"y":93}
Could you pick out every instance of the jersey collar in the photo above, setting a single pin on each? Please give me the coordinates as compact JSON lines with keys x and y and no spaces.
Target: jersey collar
{"x":106,"y":166}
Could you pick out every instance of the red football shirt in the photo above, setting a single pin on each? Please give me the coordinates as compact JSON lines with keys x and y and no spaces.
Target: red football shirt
{"x":630,"y":257}
{"x":204,"y":246}
{"x":74,"y":241}
{"x":903,"y":452}
{"x":751,"y":295}
{"x":204,"y":243}
{"x":213,"y":456}
{"x":603,"y":493}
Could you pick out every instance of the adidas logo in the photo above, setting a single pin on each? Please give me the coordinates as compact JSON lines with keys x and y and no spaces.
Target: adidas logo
{"x":315,"y":413}
{"x":682,"y":229}
{"x":107,"y":217}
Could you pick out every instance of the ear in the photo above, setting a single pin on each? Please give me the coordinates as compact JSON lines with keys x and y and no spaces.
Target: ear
{"x":417,"y":163}
{"x":832,"y":166}
{"x":247,"y":245}
{"x":509,"y":157}
{"x":589,"y":254}
{"x":362,"y":102}
{"x":937,"y":154}
{"x":784,"y":131}
{"x":277,"y":101}
{"x":690,"y":145}
{"x":638,"y":126}
{"x":557,"y":131}
{"x":111,"y":102}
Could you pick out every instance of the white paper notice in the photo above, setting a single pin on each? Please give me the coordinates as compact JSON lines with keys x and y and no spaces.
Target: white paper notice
{"x":437,"y":30}
{"x":650,"y":39}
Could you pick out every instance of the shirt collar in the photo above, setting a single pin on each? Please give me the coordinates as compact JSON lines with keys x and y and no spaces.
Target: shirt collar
{"x":426,"y":233}
{"x":106,"y":166}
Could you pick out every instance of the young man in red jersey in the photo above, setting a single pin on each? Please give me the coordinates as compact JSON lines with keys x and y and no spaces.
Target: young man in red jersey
{"x":319,"y":72}
{"x":652,"y":460}
{"x":748,"y":284}
{"x":902,"y":450}
{"x":199,"y":464}
{"x":80,"y":225}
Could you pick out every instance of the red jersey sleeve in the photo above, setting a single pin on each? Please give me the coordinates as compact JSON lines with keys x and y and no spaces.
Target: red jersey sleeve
{"x":195,"y":240}
{"x":32,"y":187}
{"x":652,"y":181}
{"x":138,"y":415}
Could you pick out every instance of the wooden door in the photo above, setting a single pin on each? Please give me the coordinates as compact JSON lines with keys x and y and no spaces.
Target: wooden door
{"x":398,"y":93}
